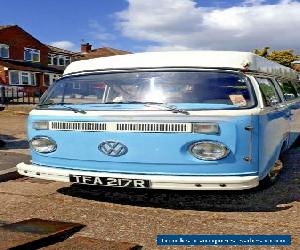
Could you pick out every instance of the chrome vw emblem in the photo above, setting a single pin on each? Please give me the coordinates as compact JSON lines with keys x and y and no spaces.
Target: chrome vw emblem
{"x":113,"y":148}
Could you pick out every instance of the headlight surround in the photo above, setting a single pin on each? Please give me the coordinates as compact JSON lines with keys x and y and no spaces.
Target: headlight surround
{"x":42,"y":144}
{"x":209,"y":150}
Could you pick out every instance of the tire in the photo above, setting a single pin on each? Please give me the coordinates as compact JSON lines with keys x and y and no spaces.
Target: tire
{"x":273,"y":174}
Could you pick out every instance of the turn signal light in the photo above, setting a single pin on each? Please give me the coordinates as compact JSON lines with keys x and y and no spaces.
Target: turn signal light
{"x":206,"y":128}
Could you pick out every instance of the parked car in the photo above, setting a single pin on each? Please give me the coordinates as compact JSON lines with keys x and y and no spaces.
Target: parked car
{"x":199,"y":120}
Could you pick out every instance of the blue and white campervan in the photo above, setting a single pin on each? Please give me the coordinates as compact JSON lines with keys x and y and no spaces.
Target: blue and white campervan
{"x":197,"y":120}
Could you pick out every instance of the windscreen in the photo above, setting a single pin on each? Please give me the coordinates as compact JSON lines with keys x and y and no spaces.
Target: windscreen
{"x":214,"y":87}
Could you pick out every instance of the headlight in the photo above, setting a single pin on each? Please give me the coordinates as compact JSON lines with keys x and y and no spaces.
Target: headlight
{"x":42,"y":144}
{"x":209,"y":150}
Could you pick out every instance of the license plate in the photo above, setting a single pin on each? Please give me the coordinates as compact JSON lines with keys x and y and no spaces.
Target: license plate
{"x":109,"y":181}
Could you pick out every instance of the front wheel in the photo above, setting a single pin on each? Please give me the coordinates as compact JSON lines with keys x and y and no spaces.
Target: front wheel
{"x":273,"y":174}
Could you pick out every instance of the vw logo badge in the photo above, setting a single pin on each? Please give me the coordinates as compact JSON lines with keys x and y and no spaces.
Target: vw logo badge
{"x":113,"y":148}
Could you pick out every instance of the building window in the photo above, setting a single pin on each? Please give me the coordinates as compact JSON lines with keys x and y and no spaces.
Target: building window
{"x":49,"y":59}
{"x":22,"y":78}
{"x":25,"y":78}
{"x":33,"y":79}
{"x":4,"y":51}
{"x":47,"y":80}
{"x":14,"y":77}
{"x":67,"y":60}
{"x":54,"y":62}
{"x":61,"y":61}
{"x":50,"y":78}
{"x":32,"y":55}
{"x":58,"y":60}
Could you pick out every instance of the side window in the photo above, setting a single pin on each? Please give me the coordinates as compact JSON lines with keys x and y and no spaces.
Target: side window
{"x":288,"y":89}
{"x":297,"y":86}
{"x":268,"y":90}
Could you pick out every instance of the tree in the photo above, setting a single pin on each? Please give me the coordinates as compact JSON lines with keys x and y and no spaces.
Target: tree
{"x":264,"y":52}
{"x":284,"y":57}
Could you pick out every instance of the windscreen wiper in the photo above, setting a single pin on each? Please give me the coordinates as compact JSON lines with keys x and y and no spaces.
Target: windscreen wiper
{"x":75,"y":110}
{"x":165,"y":106}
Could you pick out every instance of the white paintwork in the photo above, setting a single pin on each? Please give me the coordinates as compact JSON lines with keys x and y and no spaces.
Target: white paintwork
{"x":194,"y":59}
{"x":157,"y":181}
{"x":145,"y":114}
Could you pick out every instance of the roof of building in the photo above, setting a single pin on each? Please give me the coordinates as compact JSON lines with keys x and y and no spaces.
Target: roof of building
{"x":192,"y":59}
{"x":18,"y":27}
{"x":61,"y":51}
{"x":2,"y":27}
{"x":28,"y":66}
{"x":103,"y":52}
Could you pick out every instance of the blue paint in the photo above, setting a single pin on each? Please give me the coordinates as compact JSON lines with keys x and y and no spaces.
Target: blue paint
{"x":167,"y":153}
{"x":151,"y":153}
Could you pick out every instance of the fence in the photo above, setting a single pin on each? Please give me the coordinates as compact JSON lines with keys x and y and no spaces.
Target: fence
{"x":19,"y":95}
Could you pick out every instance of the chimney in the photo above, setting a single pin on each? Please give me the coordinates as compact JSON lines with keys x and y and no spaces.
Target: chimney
{"x":86,"y":48}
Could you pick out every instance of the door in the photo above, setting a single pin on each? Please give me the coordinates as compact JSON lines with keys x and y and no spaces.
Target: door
{"x":274,"y":125}
{"x":291,"y":93}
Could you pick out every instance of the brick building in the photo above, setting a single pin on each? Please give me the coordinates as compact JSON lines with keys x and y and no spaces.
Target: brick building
{"x":88,"y":53}
{"x":26,"y":62}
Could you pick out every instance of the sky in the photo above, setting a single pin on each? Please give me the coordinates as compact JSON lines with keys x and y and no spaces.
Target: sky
{"x":156,"y":25}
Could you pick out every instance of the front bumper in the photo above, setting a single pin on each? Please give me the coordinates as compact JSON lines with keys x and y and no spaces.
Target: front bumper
{"x":157,"y":181}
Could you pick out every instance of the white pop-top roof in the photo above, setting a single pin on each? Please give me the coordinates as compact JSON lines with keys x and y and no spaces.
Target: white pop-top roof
{"x":202,"y":59}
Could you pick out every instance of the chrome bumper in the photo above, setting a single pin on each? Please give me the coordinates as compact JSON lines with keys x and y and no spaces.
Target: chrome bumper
{"x":157,"y":181}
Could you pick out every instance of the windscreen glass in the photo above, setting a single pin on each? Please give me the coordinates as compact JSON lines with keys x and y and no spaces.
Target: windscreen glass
{"x":212,"y":87}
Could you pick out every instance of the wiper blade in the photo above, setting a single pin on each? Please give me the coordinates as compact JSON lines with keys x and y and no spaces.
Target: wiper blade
{"x":171,"y":108}
{"x":75,"y":110}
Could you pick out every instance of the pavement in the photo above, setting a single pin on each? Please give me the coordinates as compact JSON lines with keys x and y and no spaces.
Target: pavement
{"x":8,"y":162}
{"x":13,"y":142}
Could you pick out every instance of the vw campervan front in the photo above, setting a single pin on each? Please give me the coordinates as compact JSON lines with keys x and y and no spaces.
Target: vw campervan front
{"x":166,"y":120}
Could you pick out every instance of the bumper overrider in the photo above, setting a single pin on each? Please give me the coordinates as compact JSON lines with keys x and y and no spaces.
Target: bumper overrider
{"x":155,"y":181}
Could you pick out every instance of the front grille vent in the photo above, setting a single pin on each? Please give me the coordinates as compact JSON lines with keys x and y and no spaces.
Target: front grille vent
{"x":154,"y":127}
{"x":79,"y":126}
{"x":122,"y":127}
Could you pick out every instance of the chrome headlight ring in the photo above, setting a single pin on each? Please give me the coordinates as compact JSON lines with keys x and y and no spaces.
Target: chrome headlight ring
{"x":208,"y":150}
{"x":42,"y":144}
